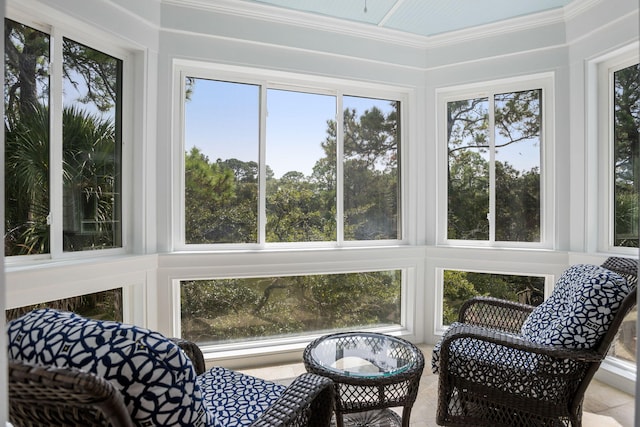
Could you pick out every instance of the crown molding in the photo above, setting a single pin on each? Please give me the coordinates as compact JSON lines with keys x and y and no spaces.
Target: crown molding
{"x":380,"y":33}
{"x":499,"y":28}
{"x":303,"y":19}
{"x":578,"y":7}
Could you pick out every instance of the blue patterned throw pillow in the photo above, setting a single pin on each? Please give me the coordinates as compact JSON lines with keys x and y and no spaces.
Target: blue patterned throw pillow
{"x":154,"y":375}
{"x":580,"y":309}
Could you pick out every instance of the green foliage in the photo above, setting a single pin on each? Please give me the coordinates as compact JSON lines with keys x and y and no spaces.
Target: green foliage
{"x":240,"y":309}
{"x":27,"y":184}
{"x":90,"y":151}
{"x":219,"y":208}
{"x":91,"y":177}
{"x":459,"y":286}
{"x":457,"y":289}
{"x":627,"y":155}
{"x":89,"y":145}
{"x":104,"y":305}
{"x":468,"y":194}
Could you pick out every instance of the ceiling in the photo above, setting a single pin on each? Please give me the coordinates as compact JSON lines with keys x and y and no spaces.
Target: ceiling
{"x":419,"y":17}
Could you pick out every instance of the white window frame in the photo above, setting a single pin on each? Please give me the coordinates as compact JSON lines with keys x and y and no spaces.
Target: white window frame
{"x":286,"y":81}
{"x":606,"y":67}
{"x":543,"y":81}
{"x":174,"y":268}
{"x":58,"y":30}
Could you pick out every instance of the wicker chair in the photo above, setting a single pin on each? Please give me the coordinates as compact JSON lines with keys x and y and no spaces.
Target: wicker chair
{"x":492,"y":373}
{"x":67,"y":396}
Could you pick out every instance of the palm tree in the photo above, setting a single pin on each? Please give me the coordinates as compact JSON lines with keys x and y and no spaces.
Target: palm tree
{"x":90,"y":182}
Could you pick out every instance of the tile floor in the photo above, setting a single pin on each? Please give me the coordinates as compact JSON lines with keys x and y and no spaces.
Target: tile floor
{"x":604,"y":406}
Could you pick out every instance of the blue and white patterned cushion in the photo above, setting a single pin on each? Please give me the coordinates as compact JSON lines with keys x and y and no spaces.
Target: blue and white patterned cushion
{"x":482,"y":352}
{"x":233,"y":399}
{"x":580,"y":309}
{"x":154,"y":375}
{"x":519,"y":372}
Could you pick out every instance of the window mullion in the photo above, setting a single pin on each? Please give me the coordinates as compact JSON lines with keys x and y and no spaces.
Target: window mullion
{"x":262,"y":167}
{"x":492,"y":169}
{"x":339,"y":170}
{"x":55,"y":146}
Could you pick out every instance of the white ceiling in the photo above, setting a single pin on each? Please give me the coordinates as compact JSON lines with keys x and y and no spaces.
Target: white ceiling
{"x":419,"y":17}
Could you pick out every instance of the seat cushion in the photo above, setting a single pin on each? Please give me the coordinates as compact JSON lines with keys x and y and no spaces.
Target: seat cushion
{"x":234,"y":399}
{"x":156,"y":378}
{"x":482,"y":351}
{"x":580,"y":309}
{"x":511,"y":370}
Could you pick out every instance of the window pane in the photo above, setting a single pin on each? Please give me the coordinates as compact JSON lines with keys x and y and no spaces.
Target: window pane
{"x":517,"y":142}
{"x":225,"y":310}
{"x":459,"y":286}
{"x":26,"y":97}
{"x":627,"y":157}
{"x":468,"y":173}
{"x":300,"y":155}
{"x":221,"y":161}
{"x":92,"y":155}
{"x":624,"y":345}
{"x":105,"y":305}
{"x":371,"y":169}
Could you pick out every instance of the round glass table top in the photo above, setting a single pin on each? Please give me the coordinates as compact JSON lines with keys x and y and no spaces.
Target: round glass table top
{"x":361,"y":354}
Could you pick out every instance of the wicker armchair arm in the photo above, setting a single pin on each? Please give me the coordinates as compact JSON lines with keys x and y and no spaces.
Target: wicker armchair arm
{"x":309,"y":400}
{"x":494,"y":313}
{"x":514,"y":342}
{"x":193,"y":352}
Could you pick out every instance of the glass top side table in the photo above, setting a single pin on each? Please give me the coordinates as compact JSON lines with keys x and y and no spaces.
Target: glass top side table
{"x":371,"y":372}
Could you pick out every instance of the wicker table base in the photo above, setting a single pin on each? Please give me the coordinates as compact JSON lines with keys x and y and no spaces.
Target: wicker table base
{"x":372,"y":372}
{"x":375,"y":418}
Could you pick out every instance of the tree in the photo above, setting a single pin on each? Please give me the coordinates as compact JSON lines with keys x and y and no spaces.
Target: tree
{"x":627,"y":155}
{"x":210,"y":197}
{"x":90,"y":145}
{"x":27,"y":184}
{"x":459,"y":286}
{"x":517,"y":193}
{"x":26,"y":70}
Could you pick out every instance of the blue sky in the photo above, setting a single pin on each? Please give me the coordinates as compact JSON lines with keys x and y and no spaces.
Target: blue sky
{"x":222,"y":120}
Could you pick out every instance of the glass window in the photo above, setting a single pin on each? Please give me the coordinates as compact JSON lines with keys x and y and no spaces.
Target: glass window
{"x":298,"y":192}
{"x":301,"y":197}
{"x":87,"y":214}
{"x":105,"y":305}
{"x":91,"y":146}
{"x":221,"y":162}
{"x":494,"y":160}
{"x":626,"y":161}
{"x":371,"y":179}
{"x":459,"y":286}
{"x":26,"y":104}
{"x":227,"y":310}
{"x":623,"y":346}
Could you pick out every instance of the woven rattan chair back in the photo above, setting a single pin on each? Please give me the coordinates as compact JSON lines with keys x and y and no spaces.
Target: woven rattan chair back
{"x":53,"y":396}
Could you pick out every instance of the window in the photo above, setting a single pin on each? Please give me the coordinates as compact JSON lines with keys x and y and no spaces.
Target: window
{"x":625,"y":91}
{"x":459,"y":286}
{"x":231,"y":310}
{"x":495,"y":157}
{"x":268,"y":164}
{"x":62,"y":162}
{"x":619,"y":112}
{"x":105,"y":305}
